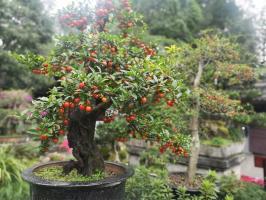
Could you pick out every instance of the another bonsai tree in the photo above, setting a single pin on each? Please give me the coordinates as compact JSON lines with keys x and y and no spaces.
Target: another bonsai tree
{"x":103,"y":70}
{"x":210,"y":66}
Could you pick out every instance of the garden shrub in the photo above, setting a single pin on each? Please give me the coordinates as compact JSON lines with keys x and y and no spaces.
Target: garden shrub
{"x":12,"y":187}
{"x":231,"y":186}
{"x":13,"y":102}
{"x":148,"y":184}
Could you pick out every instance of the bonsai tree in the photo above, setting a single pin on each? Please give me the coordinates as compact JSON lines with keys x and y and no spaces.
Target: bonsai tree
{"x":210,"y":66}
{"x":103,"y":70}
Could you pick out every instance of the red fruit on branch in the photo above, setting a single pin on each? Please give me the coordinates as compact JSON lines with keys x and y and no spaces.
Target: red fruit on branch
{"x":66,"y":122}
{"x":104,"y":63}
{"x":143,"y":100}
{"x":161,"y":95}
{"x":128,"y":119}
{"x":61,"y":111}
{"x":68,"y":68}
{"x":93,"y":54}
{"x":76,"y":100}
{"x":95,"y":96}
{"x":92,"y":59}
{"x":132,"y":117}
{"x":129,"y":24}
{"x":88,"y":102}
{"x":108,"y":119}
{"x":170,"y":103}
{"x":55,"y":140}
{"x":186,"y":154}
{"x":43,"y":137}
{"x":94,"y":87}
{"x":88,"y":109}
{"x":71,"y":105}
{"x":45,"y":64}
{"x":109,"y":64}
{"x":113,"y":49}
{"x":61,"y":132}
{"x":81,"y":85}
{"x":81,"y":107}
{"x":66,"y":104}
{"x":36,"y":71}
{"x":104,"y":99}
{"x":162,"y":149}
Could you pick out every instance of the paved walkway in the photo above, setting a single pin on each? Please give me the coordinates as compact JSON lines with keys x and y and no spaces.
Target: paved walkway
{"x":248,"y":168}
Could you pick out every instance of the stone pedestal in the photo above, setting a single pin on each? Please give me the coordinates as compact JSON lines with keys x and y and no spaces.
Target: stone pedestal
{"x":224,"y":160}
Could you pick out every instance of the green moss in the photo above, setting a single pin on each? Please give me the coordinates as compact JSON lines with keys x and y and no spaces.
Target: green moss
{"x":218,"y":142}
{"x":55,"y":173}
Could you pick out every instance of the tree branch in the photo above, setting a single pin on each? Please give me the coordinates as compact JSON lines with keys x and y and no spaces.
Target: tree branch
{"x":199,"y":74}
{"x":100,"y":107}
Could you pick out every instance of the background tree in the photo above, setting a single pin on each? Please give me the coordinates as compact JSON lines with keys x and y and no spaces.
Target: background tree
{"x":182,"y":20}
{"x":175,"y":19}
{"x":208,"y":67}
{"x":229,"y":18}
{"x":24,"y":26}
{"x":262,"y":36}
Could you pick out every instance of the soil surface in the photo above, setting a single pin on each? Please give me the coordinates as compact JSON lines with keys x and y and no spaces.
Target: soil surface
{"x":178,"y":179}
{"x":55,"y":173}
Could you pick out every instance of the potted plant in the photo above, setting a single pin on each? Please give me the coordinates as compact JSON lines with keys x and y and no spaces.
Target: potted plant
{"x":209,"y":66}
{"x":102,"y":71}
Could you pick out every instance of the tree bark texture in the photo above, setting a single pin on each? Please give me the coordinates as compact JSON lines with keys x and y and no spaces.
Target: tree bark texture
{"x":194,"y":127}
{"x":81,"y":138}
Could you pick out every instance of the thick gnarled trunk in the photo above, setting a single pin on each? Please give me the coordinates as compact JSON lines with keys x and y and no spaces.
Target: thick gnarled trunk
{"x":81,"y":139}
{"x":194,"y":127}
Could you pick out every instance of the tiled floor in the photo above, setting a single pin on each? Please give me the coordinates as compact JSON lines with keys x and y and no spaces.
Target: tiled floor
{"x":248,"y":168}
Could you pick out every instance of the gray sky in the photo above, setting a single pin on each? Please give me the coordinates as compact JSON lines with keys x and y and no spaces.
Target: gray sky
{"x":258,"y":4}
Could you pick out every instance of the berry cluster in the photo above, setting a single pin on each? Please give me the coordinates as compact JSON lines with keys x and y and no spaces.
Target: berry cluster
{"x":178,"y":150}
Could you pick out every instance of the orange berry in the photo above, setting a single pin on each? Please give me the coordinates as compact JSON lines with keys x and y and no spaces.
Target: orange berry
{"x":88,"y":109}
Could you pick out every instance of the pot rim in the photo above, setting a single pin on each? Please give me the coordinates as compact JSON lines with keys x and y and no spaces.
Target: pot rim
{"x":29,"y":176}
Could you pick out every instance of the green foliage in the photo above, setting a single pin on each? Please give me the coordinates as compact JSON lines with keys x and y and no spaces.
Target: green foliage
{"x":151,"y":158}
{"x":12,"y":103}
{"x":148,"y":185}
{"x":250,"y":191}
{"x":108,"y":132}
{"x":175,"y":19}
{"x":258,"y":120}
{"x":229,"y":197}
{"x":228,"y":17}
{"x":182,"y":194}
{"x":217,"y":142}
{"x":24,"y":27}
{"x":11,"y":184}
{"x":55,"y":173}
{"x":217,"y":69}
{"x":208,"y":190}
{"x":184,"y":19}
{"x":212,"y":176}
{"x":232,"y":187}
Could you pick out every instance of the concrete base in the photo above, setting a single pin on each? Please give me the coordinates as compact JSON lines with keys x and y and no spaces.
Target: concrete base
{"x":225,"y":160}
{"x":236,"y":170}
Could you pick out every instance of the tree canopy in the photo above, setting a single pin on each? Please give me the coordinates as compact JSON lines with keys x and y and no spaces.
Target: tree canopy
{"x":183,"y":20}
{"x":24,"y":26}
